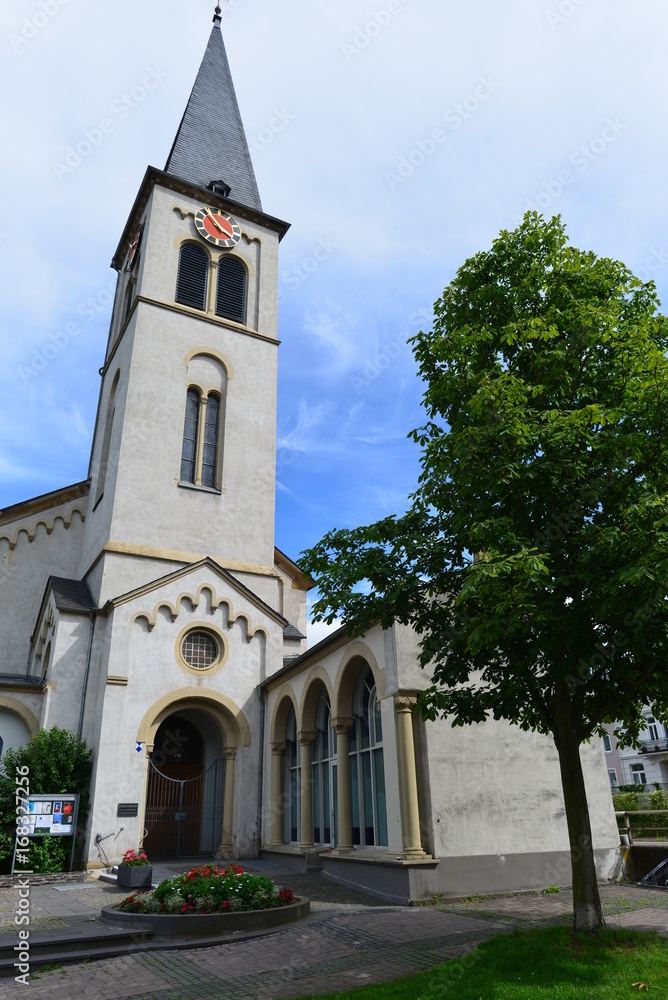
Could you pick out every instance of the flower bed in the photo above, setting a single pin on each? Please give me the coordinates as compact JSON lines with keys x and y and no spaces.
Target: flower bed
{"x":210,"y":890}
{"x":215,"y":901}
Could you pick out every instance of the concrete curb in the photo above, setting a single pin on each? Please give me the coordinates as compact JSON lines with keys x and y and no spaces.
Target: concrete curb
{"x":198,"y":926}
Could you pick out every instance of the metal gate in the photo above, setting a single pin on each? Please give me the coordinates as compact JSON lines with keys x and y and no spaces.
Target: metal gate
{"x":184,"y":813}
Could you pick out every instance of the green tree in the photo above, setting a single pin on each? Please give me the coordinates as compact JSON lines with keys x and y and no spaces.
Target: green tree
{"x":57,"y":764}
{"x":532,"y":558}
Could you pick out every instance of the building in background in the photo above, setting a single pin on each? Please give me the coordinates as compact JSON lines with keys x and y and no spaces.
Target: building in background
{"x":648,"y":765}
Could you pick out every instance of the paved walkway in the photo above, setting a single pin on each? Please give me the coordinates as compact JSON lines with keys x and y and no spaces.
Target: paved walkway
{"x":348,"y":941}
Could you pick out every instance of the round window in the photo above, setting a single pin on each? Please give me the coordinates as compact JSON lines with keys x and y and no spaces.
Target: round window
{"x":200,"y":650}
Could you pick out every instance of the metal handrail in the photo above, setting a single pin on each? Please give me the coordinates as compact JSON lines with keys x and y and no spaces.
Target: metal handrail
{"x":641,"y":812}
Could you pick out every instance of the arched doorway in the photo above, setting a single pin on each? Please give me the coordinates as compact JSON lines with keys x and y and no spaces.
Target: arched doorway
{"x":185,"y":794}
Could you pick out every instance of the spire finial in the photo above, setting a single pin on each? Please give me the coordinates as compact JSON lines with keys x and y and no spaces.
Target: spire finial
{"x":218,"y":17}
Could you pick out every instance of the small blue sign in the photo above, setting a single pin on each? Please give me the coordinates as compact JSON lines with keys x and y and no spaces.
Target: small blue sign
{"x":139,"y":748}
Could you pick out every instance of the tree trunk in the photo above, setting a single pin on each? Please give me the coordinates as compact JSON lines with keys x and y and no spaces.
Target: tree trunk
{"x":587,"y":912}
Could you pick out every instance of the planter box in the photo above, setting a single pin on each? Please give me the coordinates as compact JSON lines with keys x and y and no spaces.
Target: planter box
{"x":209,"y":924}
{"x":135,"y":876}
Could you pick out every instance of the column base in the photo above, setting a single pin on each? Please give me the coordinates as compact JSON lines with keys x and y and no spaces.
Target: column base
{"x":338,"y":851}
{"x":305,"y":848}
{"x":418,"y":855}
{"x":224,"y":853}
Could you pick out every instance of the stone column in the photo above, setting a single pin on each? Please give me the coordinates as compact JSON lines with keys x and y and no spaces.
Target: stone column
{"x":345,"y":831}
{"x":305,"y":740}
{"x":225,"y":848}
{"x":277,"y":751}
{"x":408,"y":793}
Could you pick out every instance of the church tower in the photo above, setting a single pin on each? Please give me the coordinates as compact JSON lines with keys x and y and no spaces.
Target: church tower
{"x":183,"y":457}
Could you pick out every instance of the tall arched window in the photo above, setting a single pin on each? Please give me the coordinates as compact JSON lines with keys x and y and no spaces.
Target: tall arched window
{"x":191,"y":282}
{"x":292,"y":781}
{"x":367,"y":772}
{"x":323,"y":772}
{"x":106,"y":440}
{"x":203,"y":429}
{"x":231,"y":289}
{"x":211,"y":442}
{"x":190,"y":435}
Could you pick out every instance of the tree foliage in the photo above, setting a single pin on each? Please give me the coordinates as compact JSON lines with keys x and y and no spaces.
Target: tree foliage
{"x":533,"y":557}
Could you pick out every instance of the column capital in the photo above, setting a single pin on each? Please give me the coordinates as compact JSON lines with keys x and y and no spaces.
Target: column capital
{"x":342,"y":724}
{"x":306,"y":737}
{"x":405,"y":701}
{"x":278,"y":748}
{"x":230,"y":753}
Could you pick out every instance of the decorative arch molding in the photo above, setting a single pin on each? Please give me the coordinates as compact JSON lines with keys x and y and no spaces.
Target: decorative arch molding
{"x":222,"y":709}
{"x":66,"y":518}
{"x":286,"y":700}
{"x":174,"y":610}
{"x":191,"y":215}
{"x":27,"y":717}
{"x":306,"y":714}
{"x":209,"y":352}
{"x":355,"y":655}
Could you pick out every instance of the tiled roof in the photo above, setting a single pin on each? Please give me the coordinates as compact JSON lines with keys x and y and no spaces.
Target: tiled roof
{"x":292,"y":632}
{"x":211,"y":143}
{"x":71,"y":595}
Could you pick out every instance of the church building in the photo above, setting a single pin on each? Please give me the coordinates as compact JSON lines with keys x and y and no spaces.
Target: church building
{"x":148,"y":609}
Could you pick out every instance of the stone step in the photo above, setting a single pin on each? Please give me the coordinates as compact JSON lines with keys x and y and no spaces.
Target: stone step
{"x":63,"y":948}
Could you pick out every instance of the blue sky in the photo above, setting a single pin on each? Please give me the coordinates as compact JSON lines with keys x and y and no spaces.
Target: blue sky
{"x":398,"y":138}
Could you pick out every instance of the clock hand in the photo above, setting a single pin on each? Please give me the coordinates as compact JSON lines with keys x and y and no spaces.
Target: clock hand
{"x":219,"y":227}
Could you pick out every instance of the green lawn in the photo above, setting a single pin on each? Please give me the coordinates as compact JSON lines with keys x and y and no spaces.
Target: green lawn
{"x":547,"y":964}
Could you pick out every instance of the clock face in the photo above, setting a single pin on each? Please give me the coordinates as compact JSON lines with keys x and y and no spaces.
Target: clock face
{"x":217,"y":227}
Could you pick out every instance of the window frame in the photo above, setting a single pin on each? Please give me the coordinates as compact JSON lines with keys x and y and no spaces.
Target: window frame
{"x":204,"y":395}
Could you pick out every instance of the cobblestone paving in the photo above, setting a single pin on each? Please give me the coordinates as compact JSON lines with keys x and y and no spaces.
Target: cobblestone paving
{"x":333,"y":951}
{"x":528,"y":909}
{"x":350,"y":940}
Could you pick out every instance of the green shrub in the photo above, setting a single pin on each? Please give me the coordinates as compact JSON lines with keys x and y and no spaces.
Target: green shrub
{"x":658,"y":800}
{"x":49,"y":854}
{"x":627,"y":801}
{"x":58,"y":764}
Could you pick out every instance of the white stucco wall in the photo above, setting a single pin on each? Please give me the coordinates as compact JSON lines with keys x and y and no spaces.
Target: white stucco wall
{"x":32,"y":548}
{"x":147,"y":658}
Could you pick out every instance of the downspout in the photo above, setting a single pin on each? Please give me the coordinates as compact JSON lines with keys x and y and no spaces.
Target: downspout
{"x":93,"y":616}
{"x":260,"y":773}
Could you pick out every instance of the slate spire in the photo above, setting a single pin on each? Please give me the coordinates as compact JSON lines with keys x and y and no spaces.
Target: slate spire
{"x":211,"y":144}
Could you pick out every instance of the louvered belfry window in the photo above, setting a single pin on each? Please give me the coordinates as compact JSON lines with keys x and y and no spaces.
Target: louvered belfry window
{"x":192,"y":276}
{"x":210,"y":451}
{"x":231,"y":289}
{"x":189,"y":452}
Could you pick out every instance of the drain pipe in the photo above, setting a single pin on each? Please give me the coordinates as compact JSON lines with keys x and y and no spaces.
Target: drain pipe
{"x":260,"y":773}
{"x":87,"y":671}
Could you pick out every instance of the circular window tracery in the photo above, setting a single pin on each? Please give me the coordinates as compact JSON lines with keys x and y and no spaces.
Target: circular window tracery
{"x":200,"y":650}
